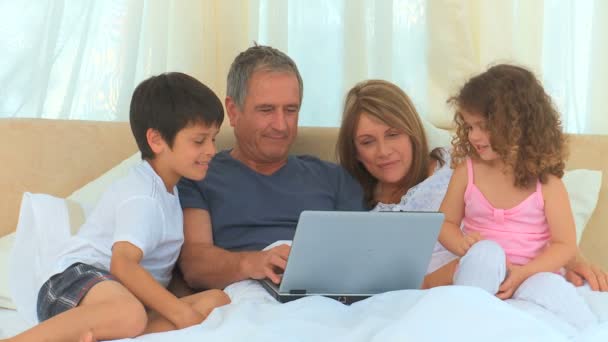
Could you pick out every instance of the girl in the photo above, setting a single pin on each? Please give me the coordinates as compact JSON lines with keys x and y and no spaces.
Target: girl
{"x":508,"y":158}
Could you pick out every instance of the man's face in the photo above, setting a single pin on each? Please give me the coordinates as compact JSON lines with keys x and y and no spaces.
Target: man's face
{"x":267,"y":124}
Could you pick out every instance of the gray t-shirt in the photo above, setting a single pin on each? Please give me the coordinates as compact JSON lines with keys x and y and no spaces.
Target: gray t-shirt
{"x":250,"y":211}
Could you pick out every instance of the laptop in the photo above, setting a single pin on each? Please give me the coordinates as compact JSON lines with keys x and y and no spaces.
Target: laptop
{"x":350,"y":256}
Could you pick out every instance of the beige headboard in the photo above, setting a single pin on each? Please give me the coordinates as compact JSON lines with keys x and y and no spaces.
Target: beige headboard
{"x":59,"y":156}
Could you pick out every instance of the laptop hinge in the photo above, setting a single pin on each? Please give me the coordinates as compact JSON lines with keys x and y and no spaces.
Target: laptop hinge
{"x":297,"y":292}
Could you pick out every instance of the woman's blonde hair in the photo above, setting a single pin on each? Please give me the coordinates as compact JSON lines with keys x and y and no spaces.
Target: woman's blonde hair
{"x":388,"y":103}
{"x":524,"y":126}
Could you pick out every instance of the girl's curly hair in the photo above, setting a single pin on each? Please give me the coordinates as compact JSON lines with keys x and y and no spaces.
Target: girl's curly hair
{"x":524,"y":126}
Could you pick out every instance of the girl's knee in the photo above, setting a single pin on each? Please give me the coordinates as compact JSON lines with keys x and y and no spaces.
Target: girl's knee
{"x":487,"y":249}
{"x":544,"y":281}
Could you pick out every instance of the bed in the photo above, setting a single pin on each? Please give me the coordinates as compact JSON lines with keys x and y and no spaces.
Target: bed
{"x":74,"y":160}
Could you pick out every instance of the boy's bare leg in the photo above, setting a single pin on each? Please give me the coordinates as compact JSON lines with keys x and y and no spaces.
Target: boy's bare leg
{"x":203,"y":302}
{"x":442,"y":276}
{"x":108,"y":311}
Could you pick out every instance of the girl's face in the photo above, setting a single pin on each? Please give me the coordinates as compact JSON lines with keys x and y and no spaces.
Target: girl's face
{"x":384,"y":151}
{"x":479,"y":136}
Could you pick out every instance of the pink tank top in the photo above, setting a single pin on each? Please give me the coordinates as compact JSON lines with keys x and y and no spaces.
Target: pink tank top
{"x":522,"y":231}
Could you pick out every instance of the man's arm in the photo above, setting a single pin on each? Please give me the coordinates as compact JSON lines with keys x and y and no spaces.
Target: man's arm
{"x":206,"y":266}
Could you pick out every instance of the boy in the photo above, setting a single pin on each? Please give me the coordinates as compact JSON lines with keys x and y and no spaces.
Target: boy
{"x":120,"y":262}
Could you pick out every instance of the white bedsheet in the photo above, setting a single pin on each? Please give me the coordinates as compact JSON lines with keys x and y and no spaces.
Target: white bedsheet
{"x":443,"y":314}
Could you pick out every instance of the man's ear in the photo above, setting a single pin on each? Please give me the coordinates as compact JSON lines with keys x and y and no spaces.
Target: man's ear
{"x":232,"y":109}
{"x":155,"y":141}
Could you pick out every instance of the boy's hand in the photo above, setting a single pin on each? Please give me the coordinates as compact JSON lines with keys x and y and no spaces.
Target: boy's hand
{"x":515,"y":276}
{"x":188,"y":317}
{"x":267,"y":264}
{"x":467,"y":241}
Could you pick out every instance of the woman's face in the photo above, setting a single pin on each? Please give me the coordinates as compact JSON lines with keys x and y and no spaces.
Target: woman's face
{"x":384,"y":151}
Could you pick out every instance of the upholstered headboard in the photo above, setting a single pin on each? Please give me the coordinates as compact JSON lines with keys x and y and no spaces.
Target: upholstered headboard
{"x":59,"y":156}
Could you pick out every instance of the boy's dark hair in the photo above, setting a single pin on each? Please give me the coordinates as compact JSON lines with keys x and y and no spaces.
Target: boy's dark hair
{"x":168,"y":103}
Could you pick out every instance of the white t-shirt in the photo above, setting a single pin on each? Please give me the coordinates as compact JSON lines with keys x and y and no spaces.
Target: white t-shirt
{"x":137,"y":209}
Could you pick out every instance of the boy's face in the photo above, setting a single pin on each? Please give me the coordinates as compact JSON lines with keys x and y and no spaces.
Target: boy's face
{"x":192,"y":150}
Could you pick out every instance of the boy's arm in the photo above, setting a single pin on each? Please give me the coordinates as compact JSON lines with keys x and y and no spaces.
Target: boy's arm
{"x":452,"y":207}
{"x":125,"y":266}
{"x":206,"y":266}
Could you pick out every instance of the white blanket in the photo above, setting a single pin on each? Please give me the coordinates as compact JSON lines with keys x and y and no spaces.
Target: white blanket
{"x":443,"y":314}
{"x":449,"y":313}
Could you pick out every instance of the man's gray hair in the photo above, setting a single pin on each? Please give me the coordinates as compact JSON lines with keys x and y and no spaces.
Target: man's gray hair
{"x":257,"y":58}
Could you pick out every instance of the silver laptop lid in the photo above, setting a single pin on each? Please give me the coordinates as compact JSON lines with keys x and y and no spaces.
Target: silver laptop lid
{"x":360,"y":252}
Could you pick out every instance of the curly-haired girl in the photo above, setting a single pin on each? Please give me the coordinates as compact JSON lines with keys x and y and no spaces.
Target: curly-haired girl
{"x":506,"y":192}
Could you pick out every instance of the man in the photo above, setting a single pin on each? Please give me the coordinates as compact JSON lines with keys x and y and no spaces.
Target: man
{"x":253,"y":194}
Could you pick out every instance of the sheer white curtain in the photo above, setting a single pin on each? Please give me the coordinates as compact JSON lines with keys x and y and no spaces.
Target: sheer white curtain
{"x":82,"y":59}
{"x":565,"y":42}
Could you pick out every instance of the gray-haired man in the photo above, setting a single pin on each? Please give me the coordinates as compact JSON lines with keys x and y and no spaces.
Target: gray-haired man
{"x":254,"y":193}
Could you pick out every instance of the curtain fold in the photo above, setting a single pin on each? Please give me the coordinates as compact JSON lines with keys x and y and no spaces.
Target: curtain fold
{"x":82,"y":59}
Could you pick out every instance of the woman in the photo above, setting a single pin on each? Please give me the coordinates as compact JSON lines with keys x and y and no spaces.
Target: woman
{"x":382,"y":143}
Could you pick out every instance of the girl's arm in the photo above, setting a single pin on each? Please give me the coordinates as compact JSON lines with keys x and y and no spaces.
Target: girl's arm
{"x":562,"y":247}
{"x":125,"y":266}
{"x":452,"y":207}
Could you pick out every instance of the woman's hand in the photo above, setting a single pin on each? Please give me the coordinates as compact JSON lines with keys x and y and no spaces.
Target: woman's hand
{"x":580,"y":270}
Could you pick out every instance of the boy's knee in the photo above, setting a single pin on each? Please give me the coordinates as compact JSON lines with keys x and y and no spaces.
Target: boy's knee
{"x":131,"y":317}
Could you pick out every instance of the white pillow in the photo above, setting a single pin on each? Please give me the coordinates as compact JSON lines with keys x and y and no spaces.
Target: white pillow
{"x":42,"y":231}
{"x":436,"y":137}
{"x":583,"y":188}
{"x":89,"y":194}
{"x":78,"y":205}
{"x":6,"y":245}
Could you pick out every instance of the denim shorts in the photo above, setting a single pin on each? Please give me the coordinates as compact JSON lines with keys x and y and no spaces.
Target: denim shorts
{"x":65,"y":290}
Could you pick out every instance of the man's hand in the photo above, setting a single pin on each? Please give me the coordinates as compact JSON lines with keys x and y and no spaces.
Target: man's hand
{"x":467,"y":241}
{"x":581,"y":270}
{"x":266,"y":264}
{"x":515,"y":276}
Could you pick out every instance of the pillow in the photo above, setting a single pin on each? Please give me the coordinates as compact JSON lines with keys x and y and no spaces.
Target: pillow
{"x":89,"y":194}
{"x":583,"y":188}
{"x":42,"y":231}
{"x":78,"y":205}
{"x":6,"y":244}
{"x":436,"y":137}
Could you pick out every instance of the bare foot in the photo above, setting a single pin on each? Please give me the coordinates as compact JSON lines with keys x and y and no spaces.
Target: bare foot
{"x":87,"y":337}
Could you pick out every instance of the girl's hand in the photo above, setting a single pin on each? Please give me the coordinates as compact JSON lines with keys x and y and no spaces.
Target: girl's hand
{"x":467,"y":241}
{"x":515,"y":276}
